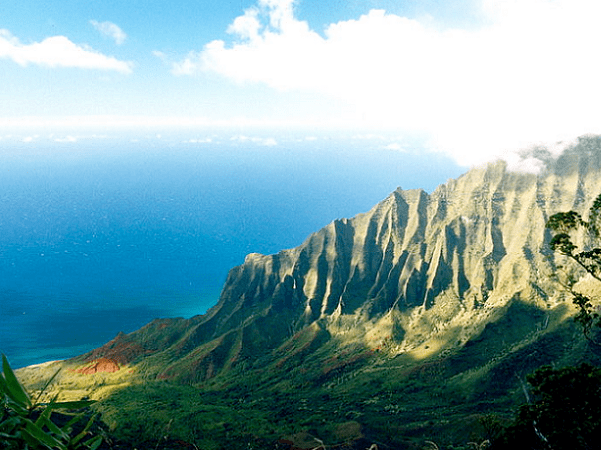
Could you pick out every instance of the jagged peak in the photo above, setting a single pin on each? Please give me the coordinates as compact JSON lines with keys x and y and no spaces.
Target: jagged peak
{"x":399,"y":193}
{"x":435,"y":259}
{"x":252,"y":257}
{"x":394,"y":200}
{"x":423,"y":286}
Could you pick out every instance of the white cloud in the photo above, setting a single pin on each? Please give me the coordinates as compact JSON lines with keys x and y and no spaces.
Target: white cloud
{"x":265,"y":142}
{"x":159,"y":54}
{"x":110,"y":30}
{"x":199,"y":141}
{"x":529,"y":74}
{"x":246,"y":26}
{"x":185,"y":67}
{"x":395,"y":146}
{"x":57,"y":51}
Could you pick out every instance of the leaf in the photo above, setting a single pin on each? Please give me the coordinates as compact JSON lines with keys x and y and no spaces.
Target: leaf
{"x":11,"y":426}
{"x":562,"y":243}
{"x":565,"y":222}
{"x":6,"y":436}
{"x":74,"y":420}
{"x":44,"y":420}
{"x":3,"y":387}
{"x":42,"y":437}
{"x":94,"y":443}
{"x":17,"y":408}
{"x":46,"y":412}
{"x":84,"y":432}
{"x":13,"y":387}
{"x":53,"y":428}
{"x":46,"y":386}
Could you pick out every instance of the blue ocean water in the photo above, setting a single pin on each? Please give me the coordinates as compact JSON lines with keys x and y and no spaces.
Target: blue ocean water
{"x":100,"y":237}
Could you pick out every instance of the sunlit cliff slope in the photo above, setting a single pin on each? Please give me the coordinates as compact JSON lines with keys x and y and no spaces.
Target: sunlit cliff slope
{"x":416,"y":268}
{"x":450,"y":288}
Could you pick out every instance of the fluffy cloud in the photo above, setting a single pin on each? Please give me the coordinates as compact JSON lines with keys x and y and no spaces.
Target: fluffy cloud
{"x":57,"y":51}
{"x":528,"y":74}
{"x":110,"y":30}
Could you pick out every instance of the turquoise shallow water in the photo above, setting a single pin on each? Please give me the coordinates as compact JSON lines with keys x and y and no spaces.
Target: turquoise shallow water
{"x":98,"y":239}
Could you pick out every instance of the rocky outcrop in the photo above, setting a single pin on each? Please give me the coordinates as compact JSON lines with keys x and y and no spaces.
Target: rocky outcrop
{"x":417,"y":267}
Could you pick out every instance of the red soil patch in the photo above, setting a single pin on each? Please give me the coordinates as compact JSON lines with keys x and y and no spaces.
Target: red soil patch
{"x":100,"y":365}
{"x":121,"y":350}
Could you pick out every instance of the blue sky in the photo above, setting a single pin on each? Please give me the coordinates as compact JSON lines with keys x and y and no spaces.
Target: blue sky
{"x":474,"y":79}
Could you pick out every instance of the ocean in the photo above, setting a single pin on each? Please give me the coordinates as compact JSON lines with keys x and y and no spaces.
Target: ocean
{"x":101,"y":236}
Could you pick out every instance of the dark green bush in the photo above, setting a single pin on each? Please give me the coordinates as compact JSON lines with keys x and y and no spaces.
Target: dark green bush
{"x":564,"y":413}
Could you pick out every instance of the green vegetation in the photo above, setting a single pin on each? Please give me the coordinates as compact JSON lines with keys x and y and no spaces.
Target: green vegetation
{"x":342,"y":394}
{"x":568,"y":227}
{"x":367,"y":398}
{"x":565,"y":411}
{"x":28,"y":424}
{"x":407,"y":378}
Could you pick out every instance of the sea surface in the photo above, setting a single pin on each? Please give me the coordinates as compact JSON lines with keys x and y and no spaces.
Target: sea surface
{"x":102,"y":236}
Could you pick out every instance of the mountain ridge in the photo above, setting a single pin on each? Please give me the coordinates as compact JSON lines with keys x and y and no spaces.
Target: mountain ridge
{"x":448,"y":294}
{"x":456,"y":255}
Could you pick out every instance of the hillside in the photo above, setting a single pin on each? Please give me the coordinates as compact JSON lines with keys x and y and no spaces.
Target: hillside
{"x":407,"y":323}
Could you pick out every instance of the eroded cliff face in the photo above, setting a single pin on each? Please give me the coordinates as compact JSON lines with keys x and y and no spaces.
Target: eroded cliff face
{"x":417,"y":269}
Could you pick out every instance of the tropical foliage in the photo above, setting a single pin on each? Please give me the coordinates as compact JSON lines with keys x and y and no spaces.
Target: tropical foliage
{"x":27,"y":423}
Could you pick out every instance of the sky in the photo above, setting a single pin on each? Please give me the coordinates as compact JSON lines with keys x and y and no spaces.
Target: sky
{"x":473,"y":79}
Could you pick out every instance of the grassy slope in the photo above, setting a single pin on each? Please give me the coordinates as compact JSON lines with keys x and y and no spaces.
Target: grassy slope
{"x":331,"y":389}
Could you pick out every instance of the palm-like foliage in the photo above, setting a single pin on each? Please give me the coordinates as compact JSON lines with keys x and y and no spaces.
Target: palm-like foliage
{"x":26,"y":423}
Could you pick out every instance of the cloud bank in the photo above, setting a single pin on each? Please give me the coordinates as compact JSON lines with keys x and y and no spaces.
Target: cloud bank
{"x":528,"y":74}
{"x":58,"y":51}
{"x":110,"y":30}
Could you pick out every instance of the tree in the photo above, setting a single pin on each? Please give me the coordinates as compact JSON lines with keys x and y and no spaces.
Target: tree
{"x":565,"y":409}
{"x":565,"y":412}
{"x":567,"y":226}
